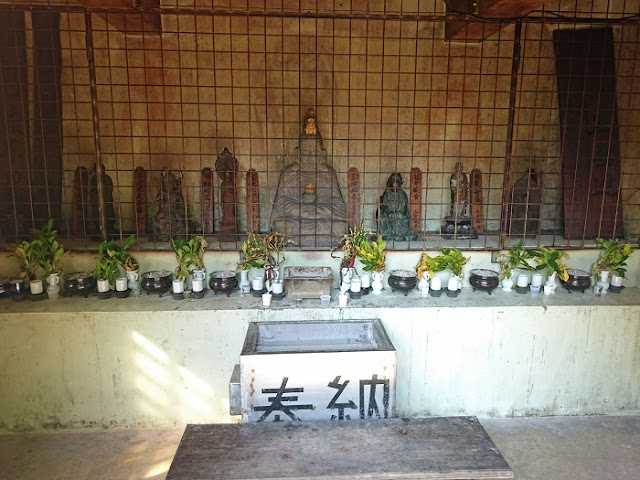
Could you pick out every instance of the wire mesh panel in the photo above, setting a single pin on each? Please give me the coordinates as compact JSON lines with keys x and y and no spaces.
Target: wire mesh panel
{"x":426,"y":121}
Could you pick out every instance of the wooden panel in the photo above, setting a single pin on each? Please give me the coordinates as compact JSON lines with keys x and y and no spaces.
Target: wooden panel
{"x":423,"y":448}
{"x":353,"y":200}
{"x":585,"y":70}
{"x":253,"y":201}
{"x":140,"y":199}
{"x":477,"y":214}
{"x":415,"y":200}
{"x":477,"y":31}
{"x":129,"y":21}
{"x":206,"y":200}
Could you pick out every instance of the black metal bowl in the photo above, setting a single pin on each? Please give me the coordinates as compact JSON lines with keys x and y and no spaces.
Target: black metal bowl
{"x":78,"y":283}
{"x":223,"y":281}
{"x":5,"y":287}
{"x":485,"y":280}
{"x":578,"y":280}
{"x":403,"y":280}
{"x":156,"y":281}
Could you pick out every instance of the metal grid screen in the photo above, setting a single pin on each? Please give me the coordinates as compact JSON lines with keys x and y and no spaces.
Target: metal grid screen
{"x":116,"y":121}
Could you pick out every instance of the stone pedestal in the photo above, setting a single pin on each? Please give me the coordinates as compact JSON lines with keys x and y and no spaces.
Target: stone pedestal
{"x":458,"y":228}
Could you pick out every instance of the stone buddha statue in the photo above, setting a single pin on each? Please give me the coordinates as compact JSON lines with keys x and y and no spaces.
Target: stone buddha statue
{"x":308,"y":204}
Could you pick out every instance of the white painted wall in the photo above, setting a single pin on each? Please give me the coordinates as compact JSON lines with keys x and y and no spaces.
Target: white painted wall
{"x":155,"y":362}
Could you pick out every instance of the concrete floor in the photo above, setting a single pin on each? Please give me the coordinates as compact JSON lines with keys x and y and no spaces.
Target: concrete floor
{"x":551,"y":448}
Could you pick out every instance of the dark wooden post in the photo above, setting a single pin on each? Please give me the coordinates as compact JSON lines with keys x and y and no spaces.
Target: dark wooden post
{"x":253,"y":201}
{"x":416,"y":200}
{"x":477,"y":216}
{"x":206,"y":194}
{"x":353,"y":200}
{"x":140,"y":200}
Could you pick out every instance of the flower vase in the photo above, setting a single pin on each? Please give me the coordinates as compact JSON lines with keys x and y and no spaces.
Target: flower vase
{"x":133,"y":284}
{"x":550,"y":284}
{"x":245,"y":284}
{"x":603,"y":283}
{"x":507,"y":283}
{"x":53,"y":286}
{"x":376,"y":284}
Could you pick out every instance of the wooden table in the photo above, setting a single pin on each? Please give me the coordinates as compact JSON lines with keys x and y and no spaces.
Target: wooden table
{"x":424,"y":448}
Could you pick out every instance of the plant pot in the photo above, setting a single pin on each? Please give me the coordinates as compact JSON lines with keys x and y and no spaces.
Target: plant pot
{"x":376,"y":284}
{"x":244,"y":284}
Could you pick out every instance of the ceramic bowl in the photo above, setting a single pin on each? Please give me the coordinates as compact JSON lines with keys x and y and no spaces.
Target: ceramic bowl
{"x":403,"y":280}
{"x":78,"y":283}
{"x":485,"y":280}
{"x":223,"y":281}
{"x":156,"y":281}
{"x":578,"y":280}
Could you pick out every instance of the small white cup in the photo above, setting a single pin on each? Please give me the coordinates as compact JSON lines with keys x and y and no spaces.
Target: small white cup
{"x":197,"y":285}
{"x":522,"y":280}
{"x":536,"y":280}
{"x":615,"y":280}
{"x":324,"y":300}
{"x":257,"y":284}
{"x":356,"y":285}
{"x":436,"y":283}
{"x":103,"y":285}
{"x":365,"y":280}
{"x":121,"y":284}
{"x":277,"y":288}
{"x":343,"y":298}
{"x":534,"y":289}
{"x":266,"y":299}
{"x":36,"y":287}
{"x":178,"y":286}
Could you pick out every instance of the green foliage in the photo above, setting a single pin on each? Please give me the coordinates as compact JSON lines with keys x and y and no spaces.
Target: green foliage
{"x":47,"y":250}
{"x":516,"y":257}
{"x":27,"y":253}
{"x":349,"y":244}
{"x":260,"y":250}
{"x":613,"y":259}
{"x":451,"y":259}
{"x":189,"y":254}
{"x":550,"y":260}
{"x":111,"y":257}
{"x":372,"y":254}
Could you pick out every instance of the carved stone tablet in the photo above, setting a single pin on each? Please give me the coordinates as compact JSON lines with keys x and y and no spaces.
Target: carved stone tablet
{"x":227,"y":169}
{"x":140,"y":199}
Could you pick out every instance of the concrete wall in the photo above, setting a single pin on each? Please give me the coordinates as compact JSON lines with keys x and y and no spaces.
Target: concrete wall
{"x":154,"y":362}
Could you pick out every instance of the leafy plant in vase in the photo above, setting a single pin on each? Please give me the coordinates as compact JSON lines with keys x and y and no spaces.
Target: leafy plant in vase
{"x":348,"y":245}
{"x":372,"y":255}
{"x":425,"y":270}
{"x":550,"y":261}
{"x":455,"y":260}
{"x":181,"y":250}
{"x":197,"y":245}
{"x":264,"y":251}
{"x":26,"y":253}
{"x":48,"y":252}
{"x":516,"y":257}
{"x":111,"y":258}
{"x":611,"y":263}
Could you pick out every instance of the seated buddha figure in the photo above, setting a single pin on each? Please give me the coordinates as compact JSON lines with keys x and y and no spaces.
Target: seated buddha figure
{"x":308,"y":204}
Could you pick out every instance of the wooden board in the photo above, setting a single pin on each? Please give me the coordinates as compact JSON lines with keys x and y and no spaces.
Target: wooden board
{"x":585,"y":70}
{"x":424,"y":448}
{"x":477,"y":215}
{"x":415,"y":200}
{"x":353,"y":202}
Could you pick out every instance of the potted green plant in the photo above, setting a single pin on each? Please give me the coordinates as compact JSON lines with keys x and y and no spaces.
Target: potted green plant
{"x":264,"y":251}
{"x":112,"y":257}
{"x":516,"y":257}
{"x":550,"y":261}
{"x":26,"y":252}
{"x":372,"y":255}
{"x":49,"y":249}
{"x":349,"y":244}
{"x":612,"y":259}
{"x":181,"y":250}
{"x":427,"y":266}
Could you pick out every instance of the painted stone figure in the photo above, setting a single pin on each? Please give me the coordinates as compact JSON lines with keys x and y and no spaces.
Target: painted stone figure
{"x":308,"y":204}
{"x":93,"y":212}
{"x":227,"y":168}
{"x":459,"y":193}
{"x":394,"y":211}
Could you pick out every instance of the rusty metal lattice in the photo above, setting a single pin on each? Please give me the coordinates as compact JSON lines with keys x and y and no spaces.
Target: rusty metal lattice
{"x":114,"y":119}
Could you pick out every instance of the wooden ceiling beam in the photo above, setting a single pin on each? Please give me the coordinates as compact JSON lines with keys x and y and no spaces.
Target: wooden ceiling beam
{"x":477,"y":30}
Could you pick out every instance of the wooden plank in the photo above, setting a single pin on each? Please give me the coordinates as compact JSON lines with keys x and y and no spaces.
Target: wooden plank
{"x":423,"y":448}
{"x":353,"y":200}
{"x":140,"y":200}
{"x":477,"y":215}
{"x":478,"y":30}
{"x":206,"y":200}
{"x":253,"y":201}
{"x":415,"y":200}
